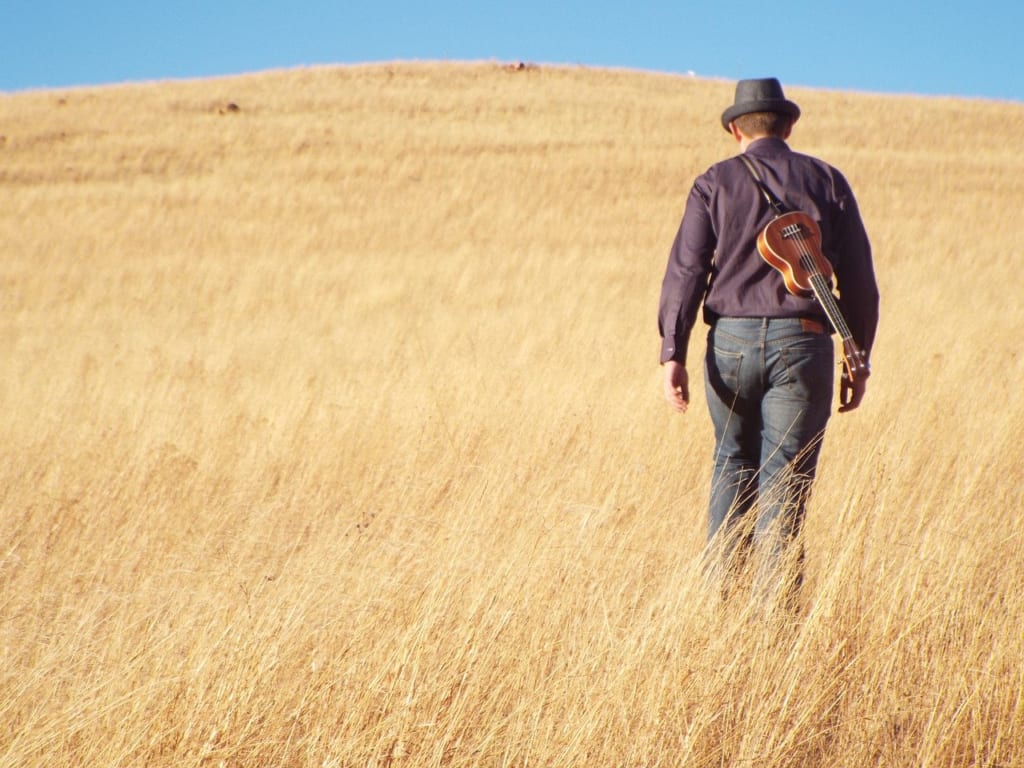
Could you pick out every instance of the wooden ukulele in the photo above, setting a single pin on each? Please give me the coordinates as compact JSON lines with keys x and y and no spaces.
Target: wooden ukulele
{"x":792,"y":244}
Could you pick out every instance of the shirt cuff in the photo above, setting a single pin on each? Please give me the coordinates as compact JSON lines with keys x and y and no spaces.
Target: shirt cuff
{"x":671,"y":349}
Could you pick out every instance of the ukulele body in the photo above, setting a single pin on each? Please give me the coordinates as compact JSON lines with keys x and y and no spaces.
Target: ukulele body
{"x":792,"y":244}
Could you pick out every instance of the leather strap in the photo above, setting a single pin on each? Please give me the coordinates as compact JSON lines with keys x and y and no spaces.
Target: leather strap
{"x":777,"y":205}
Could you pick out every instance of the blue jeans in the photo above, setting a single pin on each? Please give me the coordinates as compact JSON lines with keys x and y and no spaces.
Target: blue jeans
{"x":769,"y":391}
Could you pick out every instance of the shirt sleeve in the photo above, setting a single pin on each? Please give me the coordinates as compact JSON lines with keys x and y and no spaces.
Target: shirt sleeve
{"x":855,"y":271}
{"x":686,"y":276}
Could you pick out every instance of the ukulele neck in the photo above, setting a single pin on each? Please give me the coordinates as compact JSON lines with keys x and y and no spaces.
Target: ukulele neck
{"x":823,"y":293}
{"x":819,"y":283}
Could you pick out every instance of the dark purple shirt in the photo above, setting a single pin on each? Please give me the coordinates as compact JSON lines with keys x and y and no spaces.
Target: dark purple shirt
{"x":715,"y":260}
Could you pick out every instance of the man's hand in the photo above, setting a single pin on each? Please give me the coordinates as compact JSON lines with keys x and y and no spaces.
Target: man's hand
{"x":851,"y":393}
{"x":676,"y":385}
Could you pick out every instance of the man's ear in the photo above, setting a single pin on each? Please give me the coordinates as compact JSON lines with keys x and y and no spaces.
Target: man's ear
{"x":735,"y":131}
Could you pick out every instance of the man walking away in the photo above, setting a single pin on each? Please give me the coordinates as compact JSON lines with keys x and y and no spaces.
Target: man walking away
{"x":769,"y":366}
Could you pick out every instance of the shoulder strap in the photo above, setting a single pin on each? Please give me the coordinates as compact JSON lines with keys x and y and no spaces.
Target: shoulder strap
{"x":777,"y":205}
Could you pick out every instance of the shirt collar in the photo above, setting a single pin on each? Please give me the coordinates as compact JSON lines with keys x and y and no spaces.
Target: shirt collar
{"x":769,"y":145}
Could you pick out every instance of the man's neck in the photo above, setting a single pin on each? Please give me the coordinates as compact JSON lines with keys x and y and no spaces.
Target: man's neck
{"x":746,"y":141}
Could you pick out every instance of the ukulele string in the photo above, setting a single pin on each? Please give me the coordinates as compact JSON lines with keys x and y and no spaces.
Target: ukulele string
{"x":818,"y":281}
{"x":808,"y":262}
{"x":855,"y":363}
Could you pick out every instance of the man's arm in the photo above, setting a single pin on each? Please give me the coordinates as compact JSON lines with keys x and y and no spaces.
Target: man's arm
{"x":682,"y":290}
{"x":855,"y":271}
{"x":858,"y":289}
{"x":686,"y":277}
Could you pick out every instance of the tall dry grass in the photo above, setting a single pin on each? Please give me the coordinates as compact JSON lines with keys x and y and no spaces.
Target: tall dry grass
{"x":332,"y":433}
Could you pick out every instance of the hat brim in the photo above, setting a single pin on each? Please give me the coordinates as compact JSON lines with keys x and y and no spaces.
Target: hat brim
{"x":781,"y":106}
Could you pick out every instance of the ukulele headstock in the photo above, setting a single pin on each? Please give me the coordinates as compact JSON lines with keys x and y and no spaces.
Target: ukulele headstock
{"x":855,"y":363}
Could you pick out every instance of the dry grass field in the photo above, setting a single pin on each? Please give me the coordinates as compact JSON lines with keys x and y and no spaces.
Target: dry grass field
{"x":331,"y":433}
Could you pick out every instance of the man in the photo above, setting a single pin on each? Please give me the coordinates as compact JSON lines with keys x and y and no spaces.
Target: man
{"x":769,"y":367}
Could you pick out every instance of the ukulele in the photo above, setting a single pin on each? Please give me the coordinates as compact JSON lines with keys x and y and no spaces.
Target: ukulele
{"x":791,"y":243}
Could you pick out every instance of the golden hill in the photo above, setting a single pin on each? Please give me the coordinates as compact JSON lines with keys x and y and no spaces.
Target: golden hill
{"x":333,"y":436}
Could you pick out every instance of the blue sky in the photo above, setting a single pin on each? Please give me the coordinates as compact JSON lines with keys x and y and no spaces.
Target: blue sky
{"x":939,"y":47}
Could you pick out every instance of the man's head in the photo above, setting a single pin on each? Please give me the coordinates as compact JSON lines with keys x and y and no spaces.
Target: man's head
{"x":762,"y":96}
{"x":756,"y":124}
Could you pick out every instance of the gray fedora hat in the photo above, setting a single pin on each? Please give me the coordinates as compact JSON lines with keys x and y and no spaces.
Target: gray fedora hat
{"x":759,"y":95}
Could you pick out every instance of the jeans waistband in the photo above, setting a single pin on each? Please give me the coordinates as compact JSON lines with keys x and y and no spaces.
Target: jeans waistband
{"x":804,"y":324}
